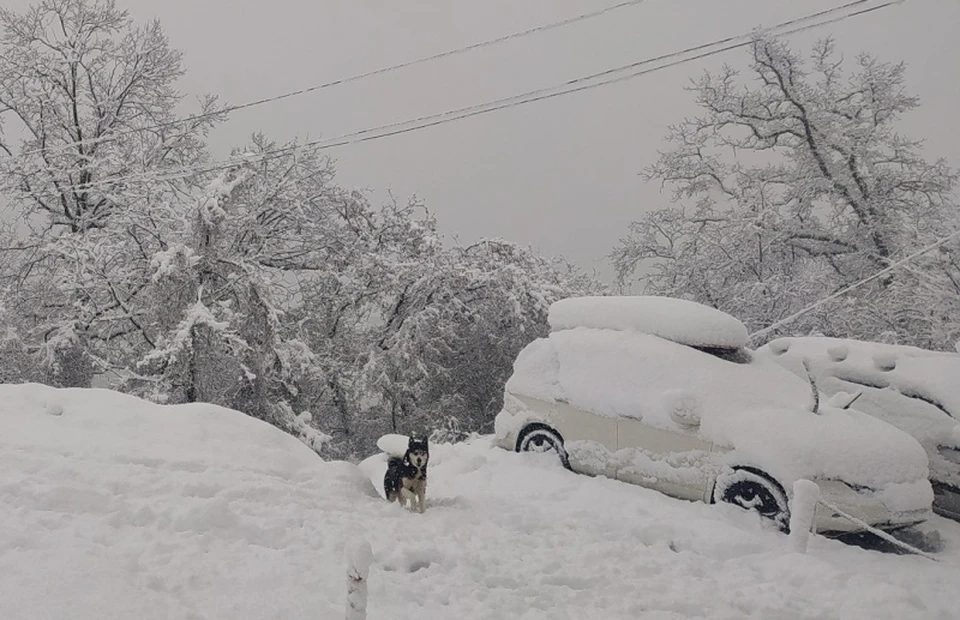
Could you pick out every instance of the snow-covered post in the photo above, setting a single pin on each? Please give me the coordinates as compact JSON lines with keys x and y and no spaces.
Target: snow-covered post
{"x":806,"y":494}
{"x":359,"y":558}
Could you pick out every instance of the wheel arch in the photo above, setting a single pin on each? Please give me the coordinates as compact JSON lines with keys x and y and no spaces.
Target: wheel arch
{"x":784,"y":522}
{"x":756,"y":471}
{"x":535,"y":426}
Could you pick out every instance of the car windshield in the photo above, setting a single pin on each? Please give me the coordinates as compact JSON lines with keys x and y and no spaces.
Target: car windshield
{"x":905,"y":390}
{"x":737,"y":356}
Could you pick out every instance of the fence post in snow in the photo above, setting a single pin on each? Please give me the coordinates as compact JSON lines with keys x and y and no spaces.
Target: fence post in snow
{"x":359,"y":558}
{"x":806,"y":494}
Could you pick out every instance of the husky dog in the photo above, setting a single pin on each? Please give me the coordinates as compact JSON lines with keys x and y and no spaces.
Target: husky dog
{"x":406,"y":478}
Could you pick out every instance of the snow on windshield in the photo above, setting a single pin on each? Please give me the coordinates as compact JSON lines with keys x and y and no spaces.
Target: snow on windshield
{"x":929,"y":376}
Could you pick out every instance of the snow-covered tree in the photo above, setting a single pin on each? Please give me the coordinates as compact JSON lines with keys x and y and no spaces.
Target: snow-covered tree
{"x":92,"y":160}
{"x":259,"y":285}
{"x":16,"y":364}
{"x":795,"y":184}
{"x":228,"y":276}
{"x":92,"y":95}
{"x":453,"y":331}
{"x":345,"y":308}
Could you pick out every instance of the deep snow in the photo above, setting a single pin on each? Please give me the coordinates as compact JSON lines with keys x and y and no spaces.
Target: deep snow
{"x":115,"y":508}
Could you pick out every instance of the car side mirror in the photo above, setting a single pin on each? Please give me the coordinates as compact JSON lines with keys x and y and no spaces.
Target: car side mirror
{"x":683,"y":407}
{"x":685,"y":419}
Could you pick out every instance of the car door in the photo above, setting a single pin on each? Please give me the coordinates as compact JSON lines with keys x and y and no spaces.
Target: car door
{"x":589,"y":438}
{"x":675,"y":462}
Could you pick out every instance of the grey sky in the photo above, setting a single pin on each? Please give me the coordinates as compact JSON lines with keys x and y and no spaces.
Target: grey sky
{"x":560,"y":175}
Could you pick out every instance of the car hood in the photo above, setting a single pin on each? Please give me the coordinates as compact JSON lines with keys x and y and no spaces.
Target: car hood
{"x":841,"y":444}
{"x":913,"y":389}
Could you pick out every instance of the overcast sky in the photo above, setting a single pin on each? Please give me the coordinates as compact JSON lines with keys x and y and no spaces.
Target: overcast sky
{"x":561,"y":175}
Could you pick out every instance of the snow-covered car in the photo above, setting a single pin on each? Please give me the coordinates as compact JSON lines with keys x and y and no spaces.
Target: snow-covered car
{"x":663,"y":393}
{"x":914,"y":389}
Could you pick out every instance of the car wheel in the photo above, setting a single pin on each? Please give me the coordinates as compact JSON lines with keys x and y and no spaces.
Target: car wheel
{"x":752,"y":489}
{"x":538,"y":437}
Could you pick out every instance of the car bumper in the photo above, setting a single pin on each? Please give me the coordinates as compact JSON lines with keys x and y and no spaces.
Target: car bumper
{"x":870,"y":507}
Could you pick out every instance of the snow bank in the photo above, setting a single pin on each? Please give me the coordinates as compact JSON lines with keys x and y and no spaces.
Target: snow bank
{"x":759,"y":409}
{"x":678,"y":320}
{"x":87,"y":533}
{"x":107,"y":424}
{"x":113,"y":507}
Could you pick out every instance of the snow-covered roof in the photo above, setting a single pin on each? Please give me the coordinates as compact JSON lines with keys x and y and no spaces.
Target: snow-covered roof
{"x":758,"y":408}
{"x":678,"y":320}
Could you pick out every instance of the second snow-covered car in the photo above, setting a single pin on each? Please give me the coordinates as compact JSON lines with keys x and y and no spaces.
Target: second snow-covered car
{"x":914,"y":389}
{"x":662,"y":393}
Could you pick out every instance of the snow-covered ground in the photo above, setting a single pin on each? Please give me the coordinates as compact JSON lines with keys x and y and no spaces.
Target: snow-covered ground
{"x":115,"y":508}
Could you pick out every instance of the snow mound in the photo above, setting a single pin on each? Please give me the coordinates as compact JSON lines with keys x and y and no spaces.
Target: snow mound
{"x":394,"y":444}
{"x":106,"y":424}
{"x":678,"y":320}
{"x":113,"y":507}
{"x":87,"y":533}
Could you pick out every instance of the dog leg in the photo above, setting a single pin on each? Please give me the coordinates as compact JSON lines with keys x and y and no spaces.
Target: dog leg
{"x":407,"y":498}
{"x":422,"y":496}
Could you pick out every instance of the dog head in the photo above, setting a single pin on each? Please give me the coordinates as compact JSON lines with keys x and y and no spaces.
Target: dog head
{"x":418,"y":452}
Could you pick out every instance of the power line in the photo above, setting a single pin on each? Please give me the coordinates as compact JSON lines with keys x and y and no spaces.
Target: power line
{"x":609,"y":76}
{"x":858,"y":284}
{"x":571,"y":86}
{"x":338,"y":82}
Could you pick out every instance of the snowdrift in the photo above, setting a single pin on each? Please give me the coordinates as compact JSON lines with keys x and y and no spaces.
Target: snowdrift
{"x":112,"y":508}
{"x":106,"y":424}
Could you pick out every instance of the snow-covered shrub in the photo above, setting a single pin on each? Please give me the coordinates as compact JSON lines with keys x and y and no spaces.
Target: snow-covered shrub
{"x":16,"y":364}
{"x":448,"y":431}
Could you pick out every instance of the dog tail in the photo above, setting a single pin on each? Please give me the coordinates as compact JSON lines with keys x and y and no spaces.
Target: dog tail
{"x":392,"y":478}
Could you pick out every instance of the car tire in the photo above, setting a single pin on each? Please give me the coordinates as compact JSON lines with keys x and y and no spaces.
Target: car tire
{"x":537,"y":437}
{"x":752,"y":489}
